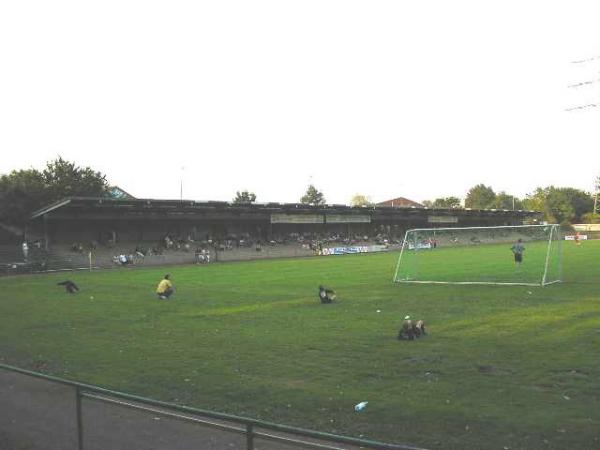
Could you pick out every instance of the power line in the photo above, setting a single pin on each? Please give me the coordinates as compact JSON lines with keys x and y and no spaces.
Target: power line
{"x":590,"y":105}
{"x":582,"y":61}
{"x":584,"y":83}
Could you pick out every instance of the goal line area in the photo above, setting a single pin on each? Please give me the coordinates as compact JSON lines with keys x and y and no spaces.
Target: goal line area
{"x":529,"y":255}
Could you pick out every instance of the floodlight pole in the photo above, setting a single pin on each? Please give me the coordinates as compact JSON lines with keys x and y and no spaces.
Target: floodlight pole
{"x":181,"y":185}
{"x":597,"y":191}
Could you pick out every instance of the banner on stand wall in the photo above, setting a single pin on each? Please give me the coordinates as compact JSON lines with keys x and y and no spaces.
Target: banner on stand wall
{"x":353,"y":249}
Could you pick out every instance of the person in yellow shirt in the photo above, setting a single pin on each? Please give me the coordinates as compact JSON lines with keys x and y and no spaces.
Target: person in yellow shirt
{"x":165,"y":288}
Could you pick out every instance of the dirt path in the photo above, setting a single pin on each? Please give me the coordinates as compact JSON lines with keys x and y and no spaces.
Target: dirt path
{"x":36,"y":414}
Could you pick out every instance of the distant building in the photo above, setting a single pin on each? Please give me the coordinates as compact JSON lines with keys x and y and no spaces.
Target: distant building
{"x":118,"y":193}
{"x":400,"y":202}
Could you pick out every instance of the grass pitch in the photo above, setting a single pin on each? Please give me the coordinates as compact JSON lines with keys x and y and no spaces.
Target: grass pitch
{"x":502,"y":367}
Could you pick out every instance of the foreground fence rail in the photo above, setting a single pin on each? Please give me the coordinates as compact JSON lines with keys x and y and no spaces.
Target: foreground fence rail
{"x":251,"y":428}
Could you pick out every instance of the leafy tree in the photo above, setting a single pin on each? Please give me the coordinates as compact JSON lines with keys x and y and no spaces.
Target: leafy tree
{"x":446,"y":202}
{"x":313,"y":197}
{"x":244,"y":198}
{"x":23,"y":191}
{"x":536,"y":201}
{"x":579,"y":202}
{"x":582,"y":201}
{"x":65,"y":179}
{"x":361,"y":200}
{"x":507,"y":201}
{"x":560,"y":205}
{"x":480,"y":197}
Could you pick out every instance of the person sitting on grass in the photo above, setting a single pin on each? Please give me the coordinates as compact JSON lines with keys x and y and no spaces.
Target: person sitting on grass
{"x":411,"y":330}
{"x":326,"y":295}
{"x":69,"y":286}
{"x":165,"y":288}
{"x":419,"y":328}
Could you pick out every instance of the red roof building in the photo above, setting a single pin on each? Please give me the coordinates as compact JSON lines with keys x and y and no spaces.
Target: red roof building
{"x":400,"y":202}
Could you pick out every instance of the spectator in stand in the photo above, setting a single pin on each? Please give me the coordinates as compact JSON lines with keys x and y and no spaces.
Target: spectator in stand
{"x":25,"y":247}
{"x":202,"y":256}
{"x":121,"y":259}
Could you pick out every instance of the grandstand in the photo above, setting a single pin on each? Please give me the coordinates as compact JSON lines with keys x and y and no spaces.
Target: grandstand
{"x":159,"y":232}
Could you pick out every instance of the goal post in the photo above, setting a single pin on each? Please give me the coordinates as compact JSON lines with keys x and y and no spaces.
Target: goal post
{"x":529,"y":255}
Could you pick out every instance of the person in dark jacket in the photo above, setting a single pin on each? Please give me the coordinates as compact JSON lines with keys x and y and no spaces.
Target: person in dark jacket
{"x":411,"y":330}
{"x":69,"y":286}
{"x":326,"y":295}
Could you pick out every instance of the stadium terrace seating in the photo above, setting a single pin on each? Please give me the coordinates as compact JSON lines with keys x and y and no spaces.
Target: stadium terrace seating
{"x":178,"y":251}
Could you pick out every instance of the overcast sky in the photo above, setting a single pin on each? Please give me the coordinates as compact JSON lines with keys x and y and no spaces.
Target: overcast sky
{"x":414,"y":99}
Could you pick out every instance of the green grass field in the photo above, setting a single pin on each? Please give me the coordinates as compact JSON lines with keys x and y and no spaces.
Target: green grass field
{"x":502,"y":367}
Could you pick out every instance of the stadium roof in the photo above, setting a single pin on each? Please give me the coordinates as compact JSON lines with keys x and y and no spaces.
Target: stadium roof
{"x":74,"y":207}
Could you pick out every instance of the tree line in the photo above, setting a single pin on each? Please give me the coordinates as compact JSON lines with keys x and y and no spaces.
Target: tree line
{"x":564,"y":205}
{"x":24,"y":191}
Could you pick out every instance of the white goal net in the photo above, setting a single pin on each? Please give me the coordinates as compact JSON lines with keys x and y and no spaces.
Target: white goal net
{"x":519,"y":255}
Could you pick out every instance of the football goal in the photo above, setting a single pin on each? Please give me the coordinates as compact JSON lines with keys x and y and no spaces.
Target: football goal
{"x":528,"y":255}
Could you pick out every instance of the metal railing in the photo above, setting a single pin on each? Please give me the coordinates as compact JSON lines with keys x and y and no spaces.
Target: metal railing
{"x":251,"y":428}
